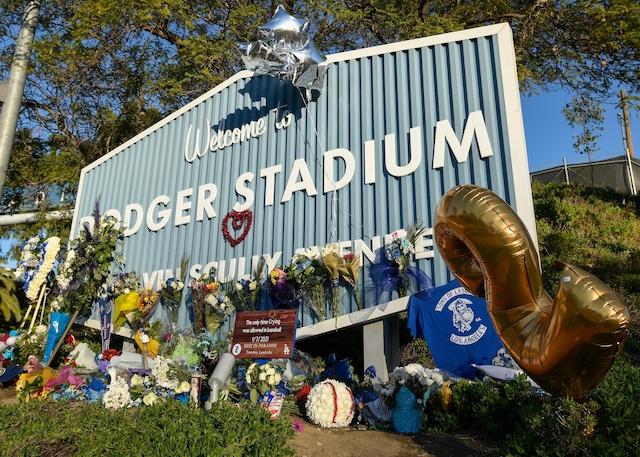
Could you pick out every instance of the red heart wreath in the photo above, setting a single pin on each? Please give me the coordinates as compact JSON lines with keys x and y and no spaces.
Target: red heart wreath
{"x":238,"y":219}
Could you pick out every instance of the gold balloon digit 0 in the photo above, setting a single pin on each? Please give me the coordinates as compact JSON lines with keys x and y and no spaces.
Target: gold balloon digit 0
{"x":566,"y":344}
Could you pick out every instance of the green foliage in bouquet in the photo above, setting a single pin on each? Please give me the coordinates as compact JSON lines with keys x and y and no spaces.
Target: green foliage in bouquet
{"x":89,"y":261}
{"x":245,"y":294}
{"x":261,"y":379}
{"x":31,"y":344}
{"x":9,"y":304}
{"x":308,"y":276}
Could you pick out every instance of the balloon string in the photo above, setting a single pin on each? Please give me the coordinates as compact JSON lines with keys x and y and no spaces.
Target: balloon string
{"x":334,"y":201}
{"x":333,"y":230}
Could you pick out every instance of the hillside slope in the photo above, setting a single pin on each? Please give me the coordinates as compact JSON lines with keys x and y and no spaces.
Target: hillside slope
{"x":597,"y":230}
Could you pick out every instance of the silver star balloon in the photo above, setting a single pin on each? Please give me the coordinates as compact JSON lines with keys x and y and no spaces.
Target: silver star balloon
{"x":285,"y":52}
{"x":284,"y":30}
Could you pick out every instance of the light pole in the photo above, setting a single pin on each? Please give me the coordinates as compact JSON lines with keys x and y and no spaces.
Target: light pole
{"x":15,"y":87}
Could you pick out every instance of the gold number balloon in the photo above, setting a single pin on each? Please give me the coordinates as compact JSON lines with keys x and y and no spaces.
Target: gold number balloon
{"x":566,"y":345}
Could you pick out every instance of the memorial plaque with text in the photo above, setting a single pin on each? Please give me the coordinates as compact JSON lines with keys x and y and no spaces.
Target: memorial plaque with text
{"x":264,"y":334}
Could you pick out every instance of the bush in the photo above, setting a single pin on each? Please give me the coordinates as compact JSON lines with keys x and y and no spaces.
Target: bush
{"x":84,"y":429}
{"x":594,"y":229}
{"x":495,"y":409}
{"x":606,"y":423}
{"x":562,"y":426}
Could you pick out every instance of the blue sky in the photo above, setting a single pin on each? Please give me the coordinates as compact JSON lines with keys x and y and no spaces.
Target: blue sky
{"x":550,"y":138}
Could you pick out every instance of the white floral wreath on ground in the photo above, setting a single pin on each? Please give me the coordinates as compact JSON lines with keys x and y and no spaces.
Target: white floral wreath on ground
{"x":330,"y":404}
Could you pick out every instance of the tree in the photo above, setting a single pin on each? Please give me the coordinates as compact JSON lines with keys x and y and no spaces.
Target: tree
{"x":585,"y":113}
{"x":103,"y":71}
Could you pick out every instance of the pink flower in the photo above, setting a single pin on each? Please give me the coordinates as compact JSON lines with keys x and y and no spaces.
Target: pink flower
{"x":297,"y":425}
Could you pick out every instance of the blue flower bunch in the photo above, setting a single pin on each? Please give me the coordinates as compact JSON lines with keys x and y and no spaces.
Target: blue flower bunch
{"x":172,"y":289}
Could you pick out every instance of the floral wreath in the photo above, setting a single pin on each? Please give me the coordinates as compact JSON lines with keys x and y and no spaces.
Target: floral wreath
{"x":330,"y":404}
{"x":237,"y":220}
{"x":51,"y":248}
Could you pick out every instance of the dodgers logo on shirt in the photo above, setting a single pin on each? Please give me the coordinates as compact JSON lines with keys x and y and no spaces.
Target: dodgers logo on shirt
{"x":467,"y":329}
{"x":457,"y":328}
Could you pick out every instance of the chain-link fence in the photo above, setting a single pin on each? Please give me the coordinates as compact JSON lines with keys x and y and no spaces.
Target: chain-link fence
{"x":619,"y":173}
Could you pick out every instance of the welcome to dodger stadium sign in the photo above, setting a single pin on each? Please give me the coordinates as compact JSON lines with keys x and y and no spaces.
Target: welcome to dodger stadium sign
{"x":393,"y":128}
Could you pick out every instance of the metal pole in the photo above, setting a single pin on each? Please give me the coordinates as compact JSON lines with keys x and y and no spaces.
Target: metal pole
{"x":627,"y":125}
{"x":625,"y":145}
{"x":566,"y":170}
{"x":624,"y":139}
{"x":634,"y":190}
{"x":17,"y":79}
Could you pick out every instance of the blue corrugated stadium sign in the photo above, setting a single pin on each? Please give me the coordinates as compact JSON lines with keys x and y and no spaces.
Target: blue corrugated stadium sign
{"x":393,"y":128}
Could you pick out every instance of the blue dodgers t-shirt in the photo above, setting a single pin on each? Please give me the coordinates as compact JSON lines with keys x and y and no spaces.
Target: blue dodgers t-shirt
{"x":457,"y":328}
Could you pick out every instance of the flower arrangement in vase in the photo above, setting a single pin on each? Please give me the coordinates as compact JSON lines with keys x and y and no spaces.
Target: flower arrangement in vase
{"x":416,"y":378}
{"x":407,"y":393}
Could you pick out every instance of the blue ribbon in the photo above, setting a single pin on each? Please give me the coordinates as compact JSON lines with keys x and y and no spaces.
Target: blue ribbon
{"x":385,"y":280}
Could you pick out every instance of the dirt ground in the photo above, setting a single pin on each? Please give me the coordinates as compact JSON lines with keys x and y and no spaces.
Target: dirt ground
{"x":314,"y":441}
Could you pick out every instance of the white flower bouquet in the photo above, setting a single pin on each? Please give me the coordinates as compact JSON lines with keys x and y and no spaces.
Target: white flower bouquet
{"x":261,"y":379}
{"x":415,"y":377}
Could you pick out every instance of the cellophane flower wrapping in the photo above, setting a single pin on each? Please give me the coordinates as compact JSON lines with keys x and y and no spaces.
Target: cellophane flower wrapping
{"x":309,"y":277}
{"x":147,"y":302}
{"x":171,"y":290}
{"x":283,"y":292}
{"x":245,"y":295}
{"x":332,"y":259}
{"x":349,"y":269}
{"x":218,"y":308}
{"x":399,"y":253}
{"x":200,"y":288}
{"x":210,"y":347}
